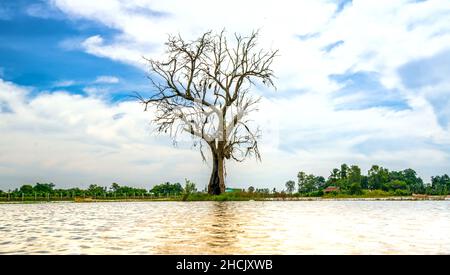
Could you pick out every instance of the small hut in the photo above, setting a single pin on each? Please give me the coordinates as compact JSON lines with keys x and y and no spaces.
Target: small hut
{"x":330,"y":189}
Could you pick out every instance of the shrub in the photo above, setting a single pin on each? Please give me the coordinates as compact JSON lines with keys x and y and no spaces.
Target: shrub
{"x":355,"y":189}
{"x":400,"y":192}
{"x":314,"y":194}
{"x":396,"y":185}
{"x":376,"y":193}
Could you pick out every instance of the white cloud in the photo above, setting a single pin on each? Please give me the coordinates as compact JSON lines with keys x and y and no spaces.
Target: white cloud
{"x":39,"y":10}
{"x":107,"y":79}
{"x":377,"y":36}
{"x":79,"y":140}
{"x":64,"y":83}
{"x":71,"y":44}
{"x":104,"y":79}
{"x":313,"y":136}
{"x":97,"y":92}
{"x":78,"y":135}
{"x":75,"y":140}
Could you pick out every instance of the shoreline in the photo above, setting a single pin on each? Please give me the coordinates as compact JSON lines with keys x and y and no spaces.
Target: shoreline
{"x":406,"y":198}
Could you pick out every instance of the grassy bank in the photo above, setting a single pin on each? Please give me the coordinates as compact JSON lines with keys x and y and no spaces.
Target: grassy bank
{"x":369,"y":195}
{"x":245,"y":196}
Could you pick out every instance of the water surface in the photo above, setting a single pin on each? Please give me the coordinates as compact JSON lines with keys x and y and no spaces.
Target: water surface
{"x":290,"y":227}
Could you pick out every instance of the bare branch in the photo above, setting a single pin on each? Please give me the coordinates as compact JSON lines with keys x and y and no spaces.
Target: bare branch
{"x":202,"y":87}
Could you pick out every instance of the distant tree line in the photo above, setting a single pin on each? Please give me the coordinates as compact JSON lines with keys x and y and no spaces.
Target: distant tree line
{"x":350,"y":180}
{"x":344,"y":180}
{"x":115,"y":190}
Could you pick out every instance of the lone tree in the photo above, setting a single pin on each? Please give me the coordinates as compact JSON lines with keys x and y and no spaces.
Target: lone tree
{"x":202,"y":88}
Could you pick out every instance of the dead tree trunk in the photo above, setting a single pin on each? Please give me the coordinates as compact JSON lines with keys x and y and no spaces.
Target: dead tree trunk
{"x":216,"y":184}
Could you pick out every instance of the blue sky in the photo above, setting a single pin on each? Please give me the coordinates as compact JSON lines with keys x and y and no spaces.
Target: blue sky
{"x":361,"y":82}
{"x":41,"y":51}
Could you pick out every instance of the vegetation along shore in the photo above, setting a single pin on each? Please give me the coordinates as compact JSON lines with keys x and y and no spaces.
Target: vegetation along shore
{"x":344,"y":183}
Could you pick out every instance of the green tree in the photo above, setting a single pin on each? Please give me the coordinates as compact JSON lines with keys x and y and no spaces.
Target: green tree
{"x":334,"y":177}
{"x":364,"y":182}
{"x":354,"y":180}
{"x":440,"y":185}
{"x":413,"y":182}
{"x":167,"y":189}
{"x":301,"y":176}
{"x":355,"y":188}
{"x":378,"y":177}
{"x":251,"y":189}
{"x":189,"y":187}
{"x":342,"y":180}
{"x":354,"y":174}
{"x":310,"y":183}
{"x":343,"y":184}
{"x":43,"y":188}
{"x":319,"y":183}
{"x":265,"y":191}
{"x":115,"y":187}
{"x":344,"y":171}
{"x":290,"y":186}
{"x":26,"y":189}
{"x":77,"y":192}
{"x":95,"y":190}
{"x":396,"y":185}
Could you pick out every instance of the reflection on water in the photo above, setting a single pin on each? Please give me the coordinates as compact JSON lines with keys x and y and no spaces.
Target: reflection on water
{"x":291,"y":227}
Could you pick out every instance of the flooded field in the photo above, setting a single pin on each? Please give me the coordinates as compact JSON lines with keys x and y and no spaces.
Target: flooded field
{"x":290,"y":227}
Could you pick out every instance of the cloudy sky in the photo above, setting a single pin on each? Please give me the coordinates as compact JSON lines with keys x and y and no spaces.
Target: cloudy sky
{"x":360,"y":82}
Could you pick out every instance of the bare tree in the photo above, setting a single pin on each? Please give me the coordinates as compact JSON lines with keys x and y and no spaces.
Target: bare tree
{"x":202,"y":88}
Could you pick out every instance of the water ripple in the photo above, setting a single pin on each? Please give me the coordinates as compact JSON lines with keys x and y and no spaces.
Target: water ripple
{"x":326,"y":227}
